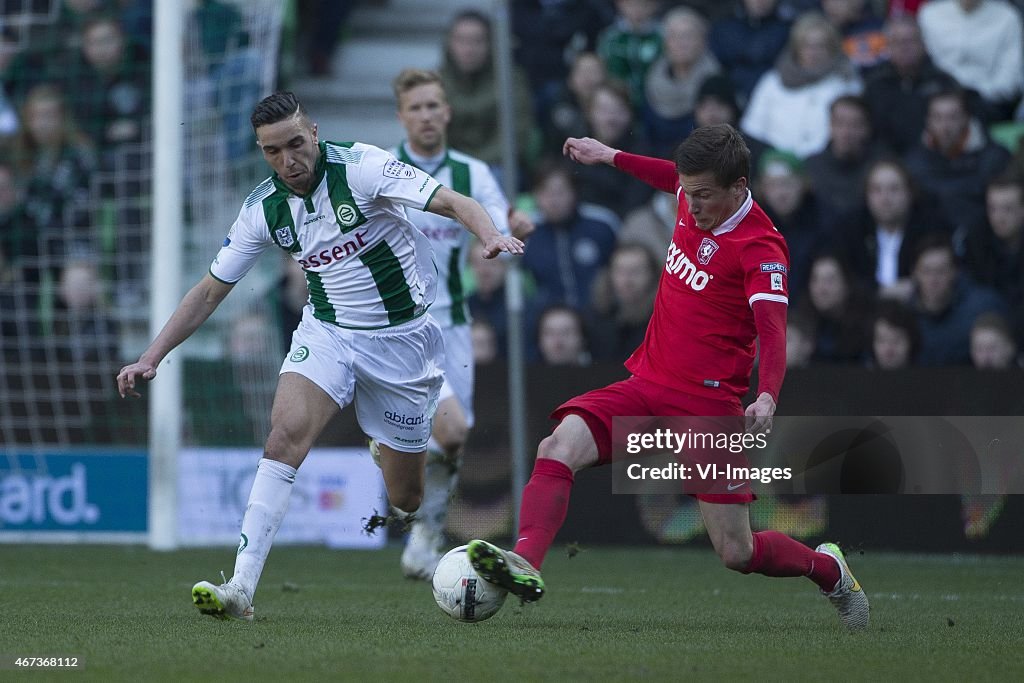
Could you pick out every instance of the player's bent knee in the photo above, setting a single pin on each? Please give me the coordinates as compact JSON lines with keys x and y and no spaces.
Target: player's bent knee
{"x":736,"y":555}
{"x":450,"y":433}
{"x":284,"y":448}
{"x":557,"y":447}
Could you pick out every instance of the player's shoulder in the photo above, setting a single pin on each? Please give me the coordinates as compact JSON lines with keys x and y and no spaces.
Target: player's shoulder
{"x":757,"y":223}
{"x":348,"y":153}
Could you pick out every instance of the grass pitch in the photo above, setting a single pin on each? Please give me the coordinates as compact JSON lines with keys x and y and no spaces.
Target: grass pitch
{"x":610,"y":614}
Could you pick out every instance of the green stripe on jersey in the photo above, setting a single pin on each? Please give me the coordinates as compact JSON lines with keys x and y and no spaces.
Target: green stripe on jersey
{"x":459,"y":316}
{"x":387,"y":273}
{"x":322,"y":307}
{"x":280,"y":222}
{"x":345,"y":209}
{"x":460,"y":177}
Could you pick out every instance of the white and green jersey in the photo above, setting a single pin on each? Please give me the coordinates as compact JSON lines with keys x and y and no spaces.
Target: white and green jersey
{"x":366,"y":264}
{"x":450,"y":241}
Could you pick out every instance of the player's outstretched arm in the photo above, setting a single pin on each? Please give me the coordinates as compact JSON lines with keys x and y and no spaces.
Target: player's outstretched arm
{"x":194,"y":309}
{"x":475,"y":218}
{"x":589,"y":151}
{"x":658,"y":173}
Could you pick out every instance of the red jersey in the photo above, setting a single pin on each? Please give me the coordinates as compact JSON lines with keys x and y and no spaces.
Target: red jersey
{"x":701,"y":335}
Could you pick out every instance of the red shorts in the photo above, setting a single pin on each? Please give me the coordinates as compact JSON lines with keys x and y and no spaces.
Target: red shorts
{"x":639,"y":397}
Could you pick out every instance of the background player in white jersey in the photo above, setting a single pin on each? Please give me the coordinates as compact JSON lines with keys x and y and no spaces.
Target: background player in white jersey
{"x":424,"y":112}
{"x":339,"y":210}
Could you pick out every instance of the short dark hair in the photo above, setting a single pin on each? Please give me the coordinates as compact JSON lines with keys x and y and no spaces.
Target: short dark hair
{"x":897,"y":314}
{"x":719,"y":148}
{"x":952,"y":92}
{"x":277,"y":107}
{"x":855,"y":101}
{"x":553,"y":166}
{"x":934,"y":241}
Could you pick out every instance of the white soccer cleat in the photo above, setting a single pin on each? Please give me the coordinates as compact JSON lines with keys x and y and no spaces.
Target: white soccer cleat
{"x":226,"y":601}
{"x":421,"y":553}
{"x":847,"y":597}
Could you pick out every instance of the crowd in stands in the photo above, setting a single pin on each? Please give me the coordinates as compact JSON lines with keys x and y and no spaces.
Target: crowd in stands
{"x":885,"y":140}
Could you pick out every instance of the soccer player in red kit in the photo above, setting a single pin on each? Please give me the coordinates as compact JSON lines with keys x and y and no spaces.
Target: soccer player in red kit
{"x":724,"y":285}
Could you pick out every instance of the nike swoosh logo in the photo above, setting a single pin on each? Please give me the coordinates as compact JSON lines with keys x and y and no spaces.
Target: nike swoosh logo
{"x":733,"y":487}
{"x":522,"y":539}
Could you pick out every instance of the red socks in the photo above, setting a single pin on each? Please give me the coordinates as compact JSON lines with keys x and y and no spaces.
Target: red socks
{"x":776,"y":554}
{"x":545,"y":503}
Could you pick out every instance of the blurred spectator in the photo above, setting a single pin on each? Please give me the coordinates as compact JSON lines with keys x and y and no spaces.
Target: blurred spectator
{"x":469,"y":79}
{"x":955,"y":158}
{"x":228,"y":72}
{"x":550,"y":36}
{"x":748,"y":43}
{"x":897,"y":91}
{"x":321,"y":23}
{"x":55,"y":161}
{"x":487,"y":301}
{"x":947,"y":303}
{"x":652,"y":224}
{"x":571,"y":244}
{"x":799,"y":340}
{"x":623,"y":301}
{"x":485,"y":342}
{"x":839,"y":310}
{"x":716,"y":103}
{"x":992,"y":343}
{"x":789,"y":106}
{"x":784,"y":193}
{"x":837,"y":172}
{"x":981,"y":44}
{"x":880,"y":239}
{"x":137,"y":22}
{"x":108,"y":84}
{"x":561,"y":337}
{"x":610,"y":120}
{"x":672,"y":84}
{"x":85,"y":338}
{"x":632,"y":44}
{"x":860,"y":28}
{"x":48,"y":46}
{"x":19,"y":238}
{"x":994,"y":250}
{"x":895,"y":337}
{"x":567,"y":115}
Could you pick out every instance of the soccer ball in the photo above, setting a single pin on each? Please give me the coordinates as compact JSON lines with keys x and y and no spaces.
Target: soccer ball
{"x":460,"y":593}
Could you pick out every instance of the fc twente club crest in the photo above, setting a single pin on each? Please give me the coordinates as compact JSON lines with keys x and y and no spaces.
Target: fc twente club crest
{"x":707,"y":249}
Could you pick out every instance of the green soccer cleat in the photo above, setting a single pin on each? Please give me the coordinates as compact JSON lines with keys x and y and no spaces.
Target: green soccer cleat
{"x":226,"y":601}
{"x":847,"y":597}
{"x":506,"y":569}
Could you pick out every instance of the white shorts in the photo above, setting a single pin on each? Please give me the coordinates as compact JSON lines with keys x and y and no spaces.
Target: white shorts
{"x":393,"y":375}
{"x":458,"y":368}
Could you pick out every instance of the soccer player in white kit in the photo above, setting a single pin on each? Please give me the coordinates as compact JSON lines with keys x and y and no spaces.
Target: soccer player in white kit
{"x":424,"y":112}
{"x":338,"y":209}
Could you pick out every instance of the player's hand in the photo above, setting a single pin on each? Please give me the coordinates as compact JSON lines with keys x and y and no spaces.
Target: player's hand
{"x":760,"y":413}
{"x":520,"y":225}
{"x":588,"y":151}
{"x":126,"y":378}
{"x":499,"y":243}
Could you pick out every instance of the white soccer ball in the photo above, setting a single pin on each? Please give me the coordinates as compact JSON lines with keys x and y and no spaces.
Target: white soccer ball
{"x":460,"y":593}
